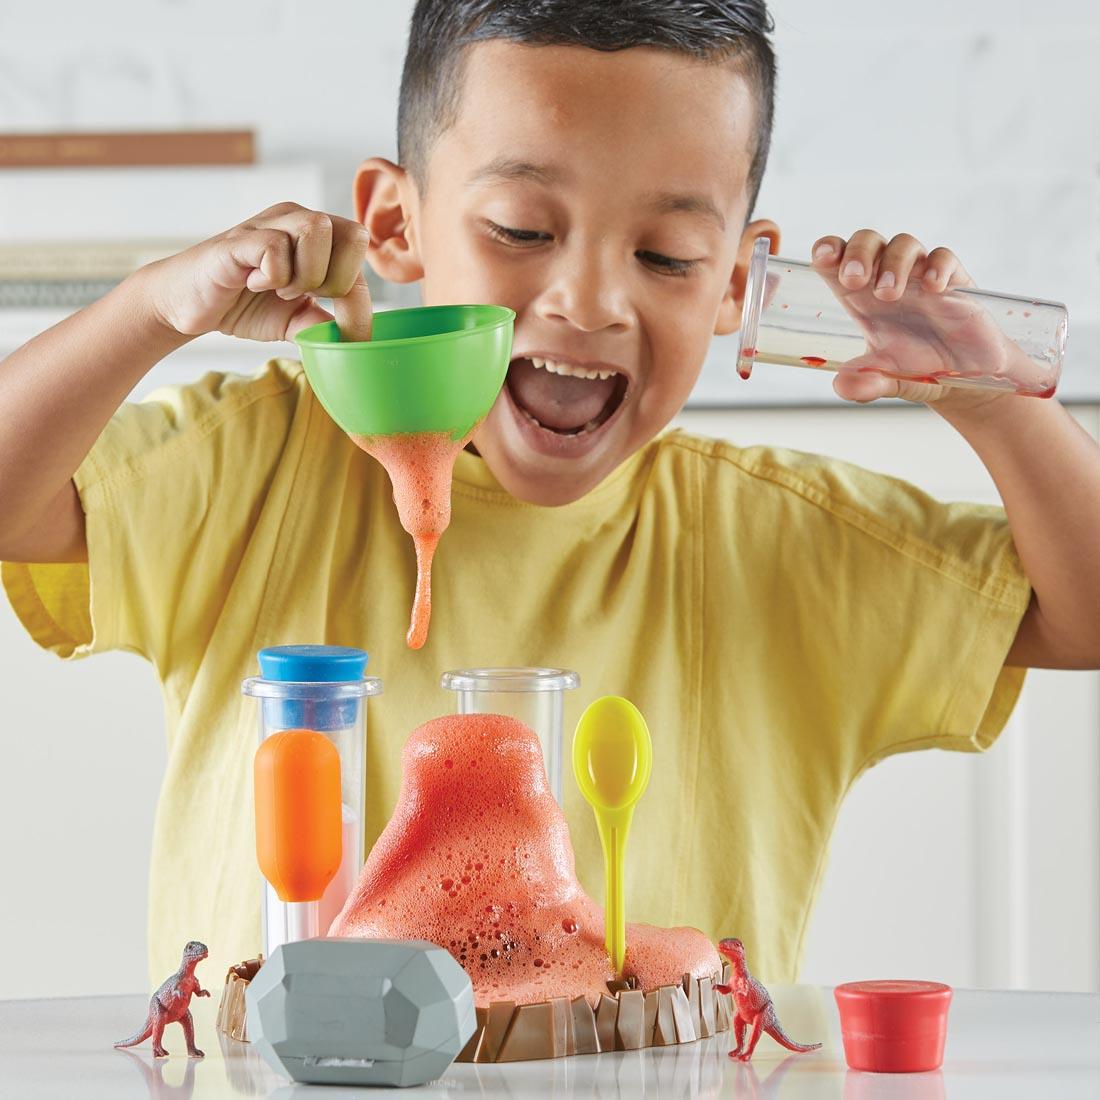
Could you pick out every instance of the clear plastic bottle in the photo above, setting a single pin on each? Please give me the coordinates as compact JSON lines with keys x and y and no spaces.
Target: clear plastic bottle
{"x":964,"y":337}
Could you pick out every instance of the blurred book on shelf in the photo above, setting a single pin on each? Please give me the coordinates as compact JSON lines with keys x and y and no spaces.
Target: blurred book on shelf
{"x":127,"y":147}
{"x":59,"y":274}
{"x":70,"y":294}
{"x":67,"y":236}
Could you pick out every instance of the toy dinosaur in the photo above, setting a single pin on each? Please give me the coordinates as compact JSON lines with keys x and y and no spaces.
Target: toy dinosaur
{"x":753,"y":1006}
{"x":171,"y":1004}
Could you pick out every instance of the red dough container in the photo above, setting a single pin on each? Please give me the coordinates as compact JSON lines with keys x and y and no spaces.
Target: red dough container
{"x":893,"y":1026}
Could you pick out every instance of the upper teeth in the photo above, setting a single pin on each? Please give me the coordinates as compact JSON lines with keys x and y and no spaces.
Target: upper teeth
{"x":554,"y":367}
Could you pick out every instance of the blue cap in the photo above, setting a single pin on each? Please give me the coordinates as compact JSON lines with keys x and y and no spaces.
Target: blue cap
{"x":317,"y":678}
{"x":312,"y":664}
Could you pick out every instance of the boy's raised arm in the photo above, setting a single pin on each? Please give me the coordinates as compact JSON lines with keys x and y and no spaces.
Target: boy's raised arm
{"x":1046,"y":467}
{"x":58,"y":391}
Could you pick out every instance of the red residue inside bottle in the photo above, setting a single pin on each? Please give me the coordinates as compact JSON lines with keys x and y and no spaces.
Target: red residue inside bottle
{"x":813,"y":360}
{"x":746,"y":353}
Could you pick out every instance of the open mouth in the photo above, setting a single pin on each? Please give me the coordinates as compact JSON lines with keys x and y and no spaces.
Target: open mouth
{"x":565,"y":398}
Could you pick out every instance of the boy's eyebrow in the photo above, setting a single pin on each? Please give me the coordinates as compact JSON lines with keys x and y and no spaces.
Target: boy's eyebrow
{"x":508,"y":168}
{"x":668,"y":202}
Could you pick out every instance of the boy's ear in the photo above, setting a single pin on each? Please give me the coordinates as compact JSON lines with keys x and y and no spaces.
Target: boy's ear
{"x":729,"y":310}
{"x":386,"y":201}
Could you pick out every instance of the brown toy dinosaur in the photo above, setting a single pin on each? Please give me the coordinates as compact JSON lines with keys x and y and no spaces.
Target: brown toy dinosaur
{"x":753,"y":1006}
{"x":171,"y":1004}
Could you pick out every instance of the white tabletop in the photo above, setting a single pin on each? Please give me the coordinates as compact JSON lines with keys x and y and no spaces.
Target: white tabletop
{"x":1000,"y":1045}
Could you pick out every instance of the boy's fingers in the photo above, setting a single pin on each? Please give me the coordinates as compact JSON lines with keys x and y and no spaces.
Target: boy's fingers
{"x":827,"y":251}
{"x":312,"y":235}
{"x":266,"y":254}
{"x":266,"y":217}
{"x":859,"y":263}
{"x":321,"y":241}
{"x":354,"y":312}
{"x":895,"y":265}
{"x":349,"y":250}
{"x":863,"y":387}
{"x":943,"y":269}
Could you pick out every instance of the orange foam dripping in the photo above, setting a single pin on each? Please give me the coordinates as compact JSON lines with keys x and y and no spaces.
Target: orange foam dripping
{"x":420,"y":466}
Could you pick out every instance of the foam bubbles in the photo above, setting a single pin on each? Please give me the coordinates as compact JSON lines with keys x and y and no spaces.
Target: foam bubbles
{"x":420,"y":466}
{"x":494,"y":847}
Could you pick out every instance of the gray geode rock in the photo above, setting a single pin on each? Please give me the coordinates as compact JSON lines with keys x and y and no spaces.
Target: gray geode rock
{"x":360,"y":1012}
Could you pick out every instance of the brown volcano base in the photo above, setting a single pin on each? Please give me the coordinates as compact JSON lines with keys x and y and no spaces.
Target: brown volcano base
{"x":625,"y":1019}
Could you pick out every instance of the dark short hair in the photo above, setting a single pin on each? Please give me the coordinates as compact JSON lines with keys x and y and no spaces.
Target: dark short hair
{"x":734,"y":31}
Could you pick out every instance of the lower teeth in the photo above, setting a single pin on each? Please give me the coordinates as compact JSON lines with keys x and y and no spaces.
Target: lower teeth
{"x":591,"y":426}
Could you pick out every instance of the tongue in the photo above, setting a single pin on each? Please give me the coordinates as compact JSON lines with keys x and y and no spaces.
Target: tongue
{"x":558,"y":401}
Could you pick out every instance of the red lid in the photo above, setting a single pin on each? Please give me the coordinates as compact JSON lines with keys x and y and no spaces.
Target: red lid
{"x":893,"y":1026}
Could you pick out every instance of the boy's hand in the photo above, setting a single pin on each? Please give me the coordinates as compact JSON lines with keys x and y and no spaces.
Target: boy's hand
{"x":927,"y":334}
{"x":259,"y":279}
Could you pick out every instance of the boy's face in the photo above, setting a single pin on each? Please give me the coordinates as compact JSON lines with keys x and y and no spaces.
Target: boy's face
{"x":602,"y":196}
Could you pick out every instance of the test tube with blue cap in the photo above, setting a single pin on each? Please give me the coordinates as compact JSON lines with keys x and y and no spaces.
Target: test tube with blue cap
{"x":324,"y":689}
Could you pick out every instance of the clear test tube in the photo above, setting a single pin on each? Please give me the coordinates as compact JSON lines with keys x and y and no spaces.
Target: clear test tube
{"x":533,"y":695}
{"x":964,"y":337}
{"x":318,"y":688}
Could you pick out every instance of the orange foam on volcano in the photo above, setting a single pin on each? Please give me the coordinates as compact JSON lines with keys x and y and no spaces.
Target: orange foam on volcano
{"x":477,"y":858}
{"x":420,"y":466}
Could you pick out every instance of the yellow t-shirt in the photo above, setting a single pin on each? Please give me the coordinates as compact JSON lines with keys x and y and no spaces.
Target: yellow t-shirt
{"x":783,"y":621}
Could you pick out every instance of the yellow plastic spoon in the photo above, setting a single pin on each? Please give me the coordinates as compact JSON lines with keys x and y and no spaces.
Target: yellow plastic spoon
{"x":612,"y":759}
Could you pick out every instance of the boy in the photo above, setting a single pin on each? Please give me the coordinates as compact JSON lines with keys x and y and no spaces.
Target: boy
{"x":783,"y":621}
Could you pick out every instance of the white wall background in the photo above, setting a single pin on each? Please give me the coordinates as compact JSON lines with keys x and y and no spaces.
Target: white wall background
{"x":973,"y":124}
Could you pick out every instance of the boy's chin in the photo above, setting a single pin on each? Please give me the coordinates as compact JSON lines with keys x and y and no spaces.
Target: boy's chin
{"x":547,"y":486}
{"x":541,"y":467}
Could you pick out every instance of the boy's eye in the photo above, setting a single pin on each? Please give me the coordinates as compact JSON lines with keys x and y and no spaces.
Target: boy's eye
{"x":667,"y":264}
{"x":516,"y":236}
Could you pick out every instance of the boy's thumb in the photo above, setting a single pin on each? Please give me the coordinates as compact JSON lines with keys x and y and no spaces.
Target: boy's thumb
{"x":354,"y":312}
{"x":308,"y":313}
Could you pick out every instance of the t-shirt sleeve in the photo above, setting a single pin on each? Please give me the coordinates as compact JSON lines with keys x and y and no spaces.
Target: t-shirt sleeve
{"x":170,"y":492}
{"x":889,"y":612}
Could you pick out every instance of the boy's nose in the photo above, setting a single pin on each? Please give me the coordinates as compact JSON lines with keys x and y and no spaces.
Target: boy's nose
{"x":589,"y":293}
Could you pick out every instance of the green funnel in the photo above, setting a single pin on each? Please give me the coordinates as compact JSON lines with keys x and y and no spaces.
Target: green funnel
{"x":425,"y":369}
